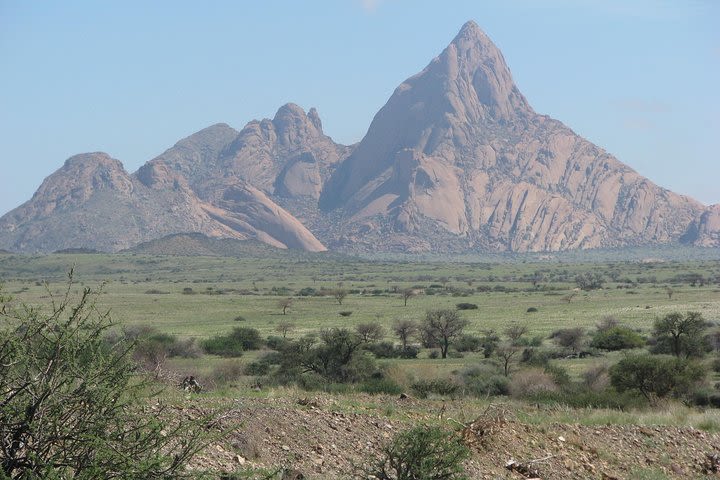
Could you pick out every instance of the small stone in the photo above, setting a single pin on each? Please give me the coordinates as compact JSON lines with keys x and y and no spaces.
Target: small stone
{"x":561,"y":439}
{"x":240,"y":460}
{"x":286,"y":448}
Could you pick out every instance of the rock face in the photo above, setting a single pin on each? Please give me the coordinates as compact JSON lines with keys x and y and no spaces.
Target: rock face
{"x":93,"y":202}
{"x":457,"y":159}
{"x":288,"y":156}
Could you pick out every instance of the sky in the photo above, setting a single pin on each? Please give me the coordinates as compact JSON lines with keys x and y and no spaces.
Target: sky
{"x":639,"y":78}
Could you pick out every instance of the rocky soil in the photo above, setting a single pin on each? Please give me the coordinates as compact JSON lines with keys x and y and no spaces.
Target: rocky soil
{"x":326,"y":438}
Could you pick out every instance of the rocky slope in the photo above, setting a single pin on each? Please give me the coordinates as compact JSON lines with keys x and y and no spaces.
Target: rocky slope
{"x":458,"y":152}
{"x":320,"y":439}
{"x":92,"y":202}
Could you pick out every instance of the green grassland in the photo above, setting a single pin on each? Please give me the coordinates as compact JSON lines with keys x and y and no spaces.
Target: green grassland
{"x":203,"y":296}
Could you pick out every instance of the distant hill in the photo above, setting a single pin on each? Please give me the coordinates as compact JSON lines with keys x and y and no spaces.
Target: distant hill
{"x":197,"y":244}
{"x":77,"y":250}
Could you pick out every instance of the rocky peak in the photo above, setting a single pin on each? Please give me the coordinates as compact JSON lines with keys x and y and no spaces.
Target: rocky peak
{"x":293,"y":125}
{"x":475,"y":71}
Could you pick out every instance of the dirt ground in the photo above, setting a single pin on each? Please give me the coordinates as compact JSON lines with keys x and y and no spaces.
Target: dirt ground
{"x":320,"y":439}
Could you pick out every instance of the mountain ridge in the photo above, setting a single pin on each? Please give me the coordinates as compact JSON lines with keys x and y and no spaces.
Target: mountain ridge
{"x":456,"y":160}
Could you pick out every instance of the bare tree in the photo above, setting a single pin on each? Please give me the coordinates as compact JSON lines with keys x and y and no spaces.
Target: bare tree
{"x":283,"y":328}
{"x":285,"y":303}
{"x":568,"y":298}
{"x":370,"y":332}
{"x":405,"y":330}
{"x":507,"y":351}
{"x":571,"y":338}
{"x":407,"y":294}
{"x":340,"y":294}
{"x":515,"y":332}
{"x":443,"y":326}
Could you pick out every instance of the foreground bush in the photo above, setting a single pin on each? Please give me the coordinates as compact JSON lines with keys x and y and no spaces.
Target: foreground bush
{"x":427,"y":453}
{"x":69,"y":404}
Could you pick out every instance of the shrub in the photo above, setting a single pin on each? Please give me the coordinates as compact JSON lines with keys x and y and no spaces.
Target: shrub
{"x":596,"y":377}
{"x":559,"y":375}
{"x":617,"y":338}
{"x":706,"y":398}
{"x":307,"y":292}
{"x":466,"y":306}
{"x":257,"y":368}
{"x":345,"y":313}
{"x":485,"y":380}
{"x":428,"y":453}
{"x":530,"y":382}
{"x":71,"y":405}
{"x":375,"y":386}
{"x":234,"y":343}
{"x":438,"y":386}
{"x":532,"y":310}
{"x":226,"y":372}
{"x":656,"y":376}
{"x":468,"y":343}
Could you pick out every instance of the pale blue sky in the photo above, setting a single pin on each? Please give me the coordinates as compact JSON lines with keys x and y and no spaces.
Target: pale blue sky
{"x":639,"y":78}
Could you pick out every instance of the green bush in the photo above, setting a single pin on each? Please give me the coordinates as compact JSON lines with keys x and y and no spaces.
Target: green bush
{"x":656,"y":376}
{"x":438,"y":386}
{"x":234,"y":343}
{"x":617,"y":338}
{"x":375,"y":386}
{"x":485,"y":380}
{"x":706,"y":398}
{"x":468,"y":343}
{"x":466,"y":306}
{"x":257,"y":368}
{"x":427,"y":453}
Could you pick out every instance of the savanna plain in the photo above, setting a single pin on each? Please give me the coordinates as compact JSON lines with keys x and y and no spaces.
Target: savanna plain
{"x":325,"y":366}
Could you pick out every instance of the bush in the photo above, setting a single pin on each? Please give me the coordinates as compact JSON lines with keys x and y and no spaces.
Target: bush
{"x":375,"y":386}
{"x":427,"y":453}
{"x":706,"y":398}
{"x":345,"y":313}
{"x":71,"y":405}
{"x":532,"y":310}
{"x":656,"y":376}
{"x":468,"y":343}
{"x":439,"y":386}
{"x":226,"y":372}
{"x":466,"y":306}
{"x":484,"y":380}
{"x":234,"y":343}
{"x":617,"y":338}
{"x":257,"y":368}
{"x":526,"y":383}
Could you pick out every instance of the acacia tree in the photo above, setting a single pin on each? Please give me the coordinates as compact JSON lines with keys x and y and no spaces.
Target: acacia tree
{"x":70,"y":405}
{"x":405,"y":330}
{"x":370,"y":332}
{"x":285,"y":303}
{"x":407,"y":294}
{"x":284,"y":328}
{"x":339,"y":295}
{"x":681,"y":335}
{"x":442,"y":326}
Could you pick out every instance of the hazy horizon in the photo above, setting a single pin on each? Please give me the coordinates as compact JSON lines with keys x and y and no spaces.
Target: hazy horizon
{"x":132,"y":79}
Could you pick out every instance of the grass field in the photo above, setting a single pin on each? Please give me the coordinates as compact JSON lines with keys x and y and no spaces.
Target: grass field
{"x":203,"y":296}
